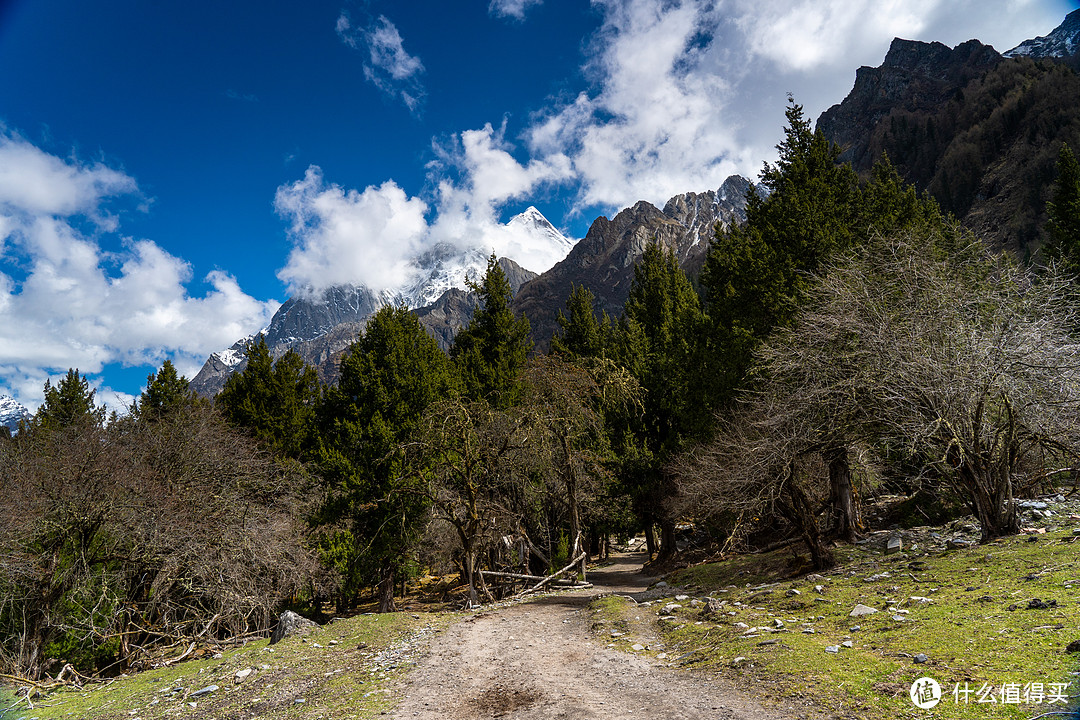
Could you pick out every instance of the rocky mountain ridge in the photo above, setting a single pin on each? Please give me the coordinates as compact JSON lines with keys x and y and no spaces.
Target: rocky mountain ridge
{"x":1062,"y":42}
{"x":604,"y":260}
{"x":321,"y":327}
{"x":978,"y":130}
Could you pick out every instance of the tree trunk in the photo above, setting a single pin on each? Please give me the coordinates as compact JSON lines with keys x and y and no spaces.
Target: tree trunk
{"x":650,"y":536}
{"x":386,"y":590}
{"x":992,"y":501}
{"x":795,"y":505}
{"x":842,"y":494}
{"x":668,"y":548}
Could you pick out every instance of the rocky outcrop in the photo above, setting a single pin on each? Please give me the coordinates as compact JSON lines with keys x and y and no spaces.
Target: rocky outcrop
{"x":916,"y":77}
{"x":604,"y":261}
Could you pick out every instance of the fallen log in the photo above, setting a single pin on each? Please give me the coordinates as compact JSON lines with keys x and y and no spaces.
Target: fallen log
{"x":551,"y":578}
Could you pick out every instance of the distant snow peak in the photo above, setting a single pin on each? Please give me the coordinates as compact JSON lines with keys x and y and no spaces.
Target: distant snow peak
{"x":11,"y":412}
{"x":1063,"y":41}
{"x":534,"y":243}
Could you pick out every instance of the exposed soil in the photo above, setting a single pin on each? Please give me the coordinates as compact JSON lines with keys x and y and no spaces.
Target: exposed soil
{"x":540,"y":660}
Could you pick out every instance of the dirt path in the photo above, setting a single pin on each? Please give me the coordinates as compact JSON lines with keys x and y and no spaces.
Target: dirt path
{"x":540,"y":660}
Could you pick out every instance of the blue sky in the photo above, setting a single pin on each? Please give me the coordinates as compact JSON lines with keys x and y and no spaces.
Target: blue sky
{"x":171,"y":171}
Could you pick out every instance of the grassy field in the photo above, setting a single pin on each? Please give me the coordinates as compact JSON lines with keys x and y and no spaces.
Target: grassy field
{"x":969,"y":611}
{"x":341,"y":671}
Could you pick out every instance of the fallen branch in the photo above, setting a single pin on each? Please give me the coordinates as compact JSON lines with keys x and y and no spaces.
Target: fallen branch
{"x":550,"y":578}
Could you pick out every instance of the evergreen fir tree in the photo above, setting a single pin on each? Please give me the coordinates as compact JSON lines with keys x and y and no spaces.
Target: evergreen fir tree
{"x":166,"y":391}
{"x":69,"y":402}
{"x":276,"y":401}
{"x":579,"y":334}
{"x":490,"y":352}
{"x":1063,"y":227}
{"x":389,"y":377}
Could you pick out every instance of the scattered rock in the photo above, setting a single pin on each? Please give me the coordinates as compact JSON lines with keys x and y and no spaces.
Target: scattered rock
{"x":920,"y":659}
{"x":847,"y":644}
{"x":793,"y":593}
{"x":778,"y":623}
{"x":860,"y":610}
{"x":204,"y":691}
{"x":1038,"y":604}
{"x":894,"y":545}
{"x":713,"y":608}
{"x":289,"y":623}
{"x":956,"y":544}
{"x":637,"y":647}
{"x":832,"y":649}
{"x":241,"y":674}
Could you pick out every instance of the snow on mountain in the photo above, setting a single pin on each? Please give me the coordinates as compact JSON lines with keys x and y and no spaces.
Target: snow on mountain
{"x":536,"y":244}
{"x":528,"y":239}
{"x":1063,"y":41}
{"x":11,"y":412}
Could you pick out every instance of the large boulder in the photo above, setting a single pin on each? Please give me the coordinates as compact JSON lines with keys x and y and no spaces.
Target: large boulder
{"x":289,"y":623}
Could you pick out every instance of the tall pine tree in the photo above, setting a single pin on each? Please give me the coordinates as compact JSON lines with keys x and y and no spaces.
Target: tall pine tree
{"x":490,"y":352}
{"x":389,"y":377}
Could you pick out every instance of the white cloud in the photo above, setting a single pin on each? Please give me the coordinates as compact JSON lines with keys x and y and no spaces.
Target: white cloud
{"x":349,"y":237}
{"x":390,"y":67}
{"x":371,"y":237}
{"x":69,"y":302}
{"x":513,"y":9}
{"x":686,"y":92}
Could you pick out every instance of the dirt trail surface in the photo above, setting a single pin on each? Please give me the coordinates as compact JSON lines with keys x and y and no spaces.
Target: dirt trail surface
{"x":540,"y":660}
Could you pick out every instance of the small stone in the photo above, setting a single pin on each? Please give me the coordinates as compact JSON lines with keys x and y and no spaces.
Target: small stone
{"x":637,"y":647}
{"x":832,"y":649}
{"x":741,"y":626}
{"x":204,"y":691}
{"x":778,"y":623}
{"x":898,"y":618}
{"x":855,"y":628}
{"x":920,"y":659}
{"x":682,"y":598}
{"x":809,"y":631}
{"x":661,"y":584}
{"x":819,"y":589}
{"x":894,"y":545}
{"x":793,"y":593}
{"x":860,"y":610}
{"x":670,"y":608}
{"x":241,"y":674}
{"x":1073,"y":647}
{"x":299,"y":701}
{"x":847,"y":644}
{"x":738,"y":660}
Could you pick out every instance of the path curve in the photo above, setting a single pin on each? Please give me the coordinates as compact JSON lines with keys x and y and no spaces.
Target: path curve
{"x":539,"y":660}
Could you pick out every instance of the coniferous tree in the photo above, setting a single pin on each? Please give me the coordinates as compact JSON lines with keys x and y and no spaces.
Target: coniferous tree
{"x":580,"y":334}
{"x":166,"y":391}
{"x":1063,"y":227}
{"x":389,"y":377}
{"x":657,"y":341}
{"x":275,"y":400}
{"x":490,"y":352}
{"x":69,"y":402}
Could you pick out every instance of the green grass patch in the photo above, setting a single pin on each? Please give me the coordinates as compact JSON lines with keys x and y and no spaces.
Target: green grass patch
{"x":343,"y":670}
{"x":952,"y":606}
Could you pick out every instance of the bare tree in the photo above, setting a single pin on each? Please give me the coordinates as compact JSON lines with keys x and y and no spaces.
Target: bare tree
{"x":960,"y":356}
{"x":118,"y":541}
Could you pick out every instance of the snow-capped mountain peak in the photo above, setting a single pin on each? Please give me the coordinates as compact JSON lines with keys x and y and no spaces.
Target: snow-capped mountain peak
{"x":11,"y":412}
{"x":1063,"y":41}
